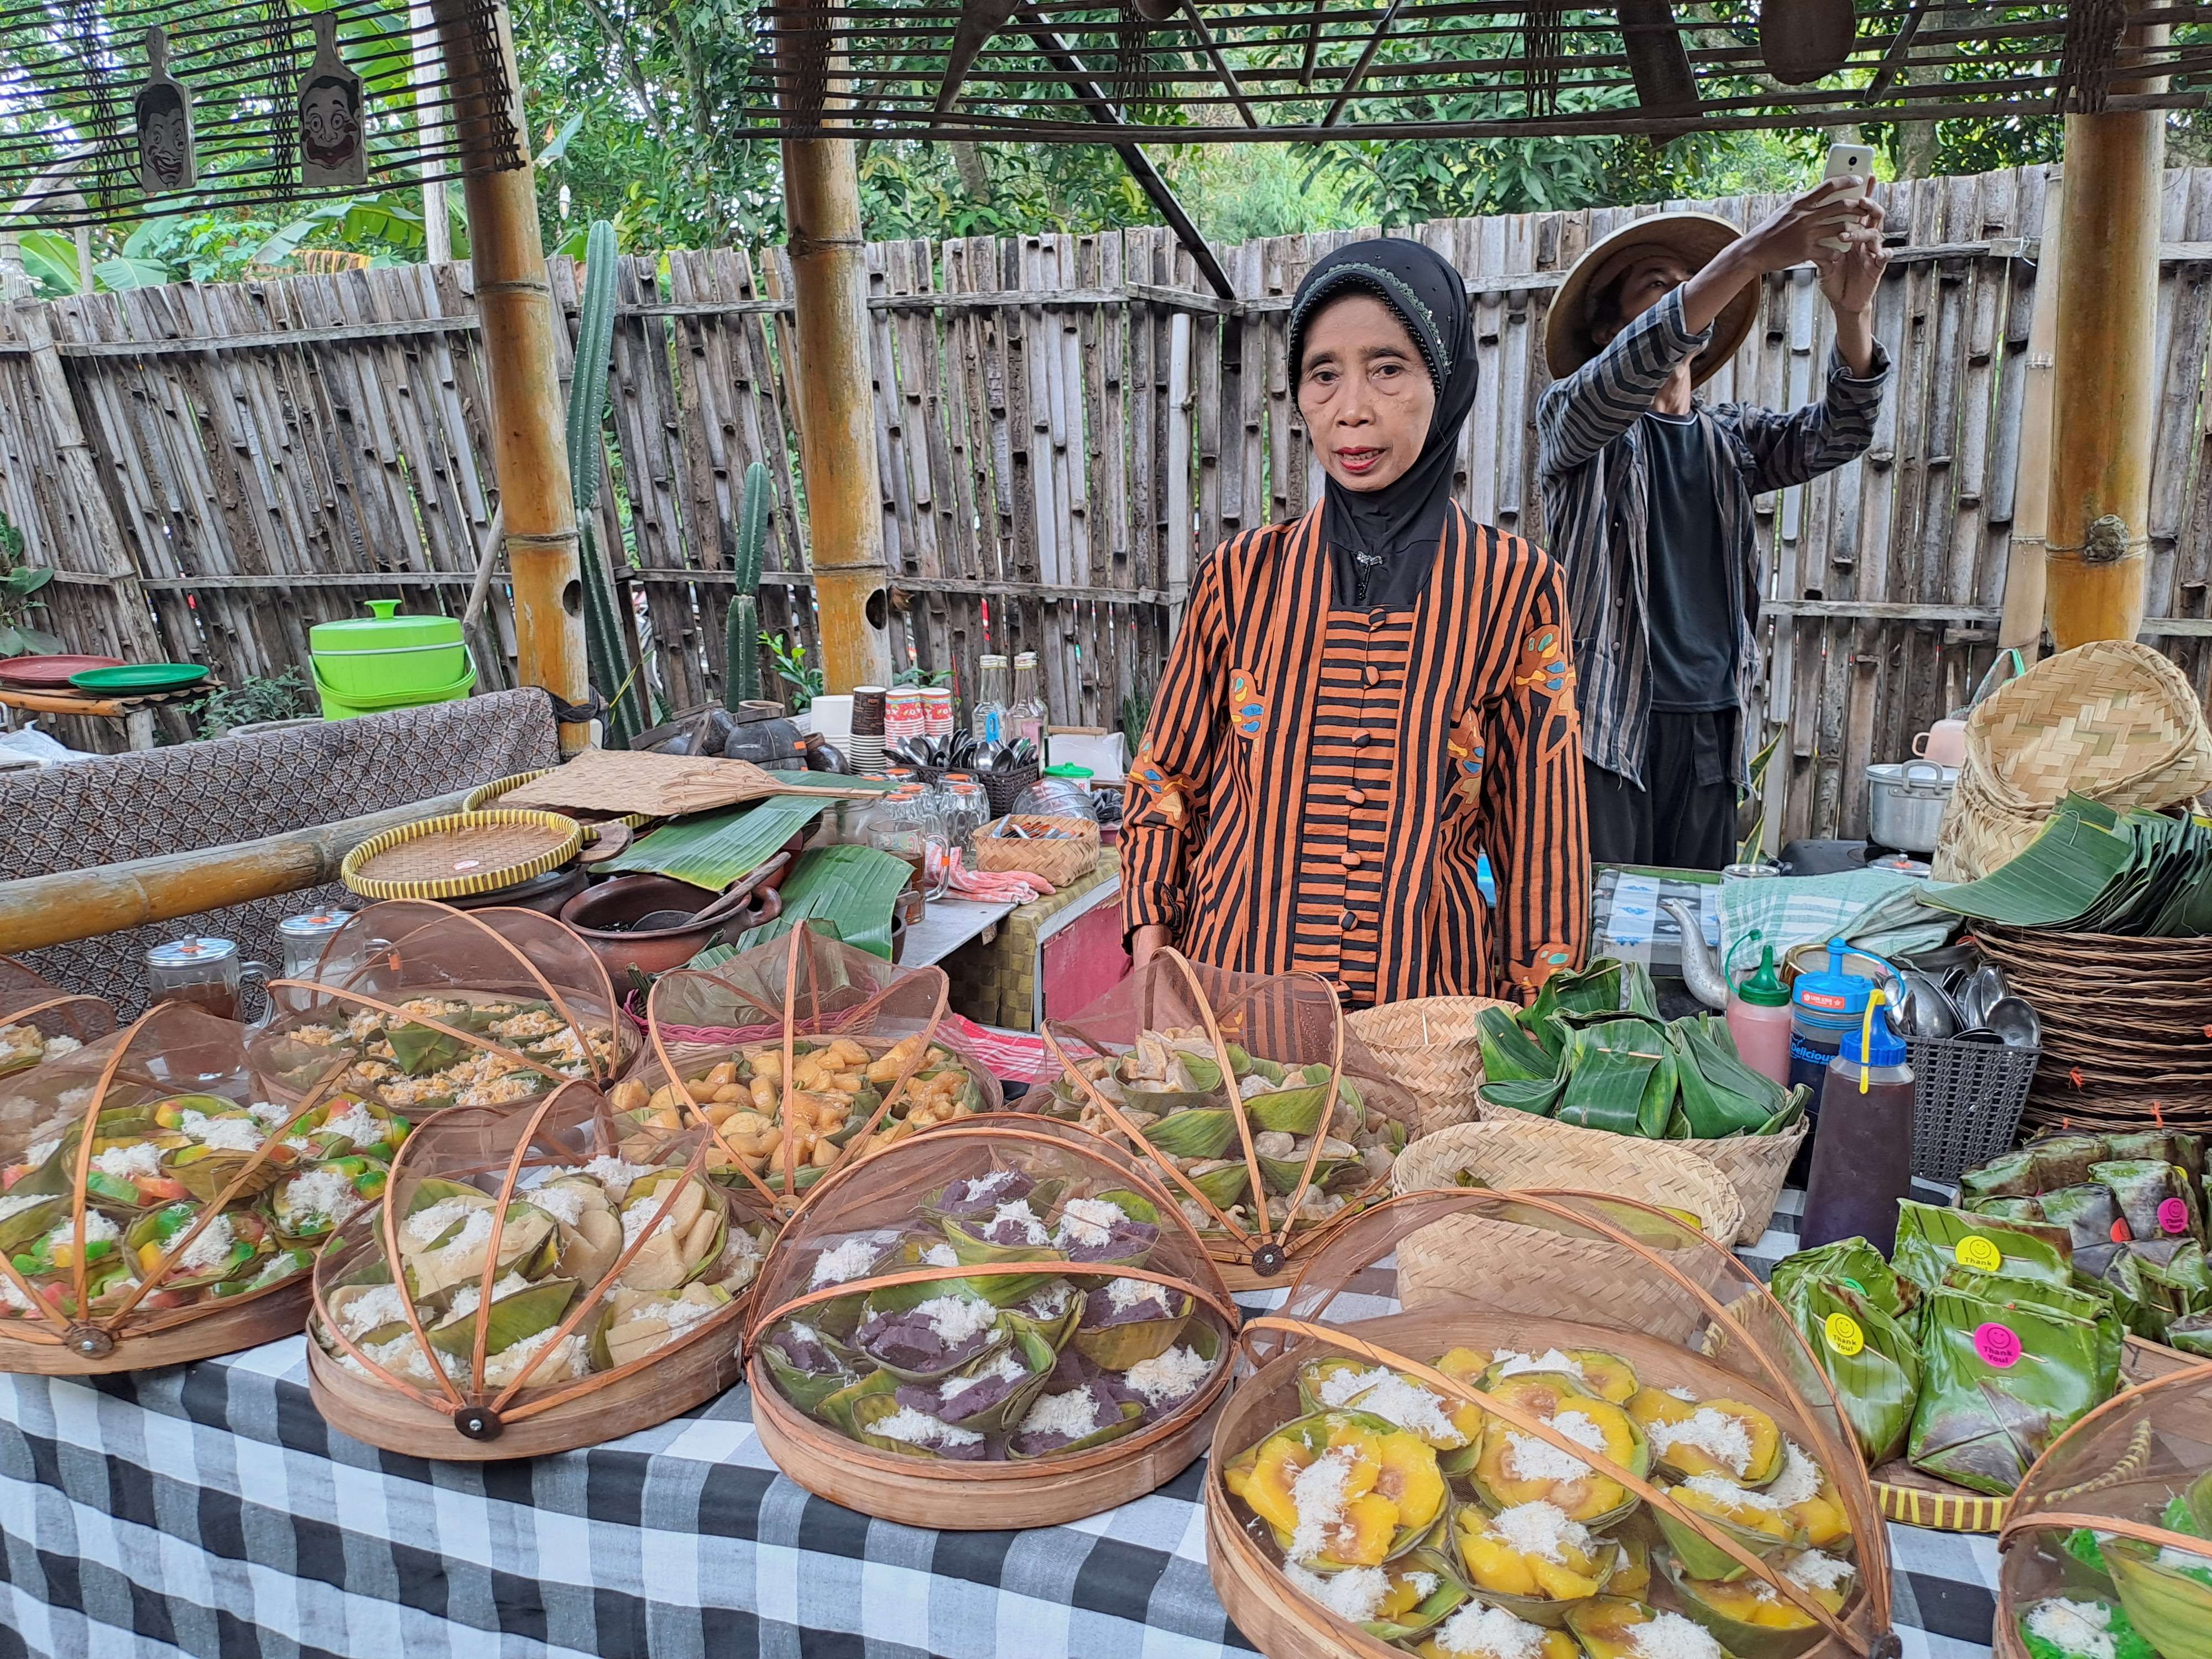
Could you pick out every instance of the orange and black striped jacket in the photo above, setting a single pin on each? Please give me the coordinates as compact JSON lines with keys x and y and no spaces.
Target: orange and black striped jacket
{"x":1315,"y":785}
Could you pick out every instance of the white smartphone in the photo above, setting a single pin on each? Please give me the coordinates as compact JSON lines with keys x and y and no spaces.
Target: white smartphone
{"x":1855,"y":163}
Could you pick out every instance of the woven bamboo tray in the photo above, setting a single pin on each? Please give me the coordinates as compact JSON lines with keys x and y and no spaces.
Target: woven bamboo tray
{"x":485,"y":793}
{"x":460,"y":855}
{"x":1286,"y":1624}
{"x":193,"y":1334}
{"x":1060,"y":862}
{"x":1536,"y":1153}
{"x":1433,"y":1047}
{"x":1757,"y":1166}
{"x":1911,"y":1498}
{"x":666,"y":1386}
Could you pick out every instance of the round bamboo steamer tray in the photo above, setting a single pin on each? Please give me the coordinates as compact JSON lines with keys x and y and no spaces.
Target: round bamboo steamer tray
{"x":1286,"y":1624}
{"x":188,"y":1334}
{"x":1517,"y":1152}
{"x":460,"y":855}
{"x":956,"y":1497}
{"x":1912,"y":1498}
{"x":665,"y":1385}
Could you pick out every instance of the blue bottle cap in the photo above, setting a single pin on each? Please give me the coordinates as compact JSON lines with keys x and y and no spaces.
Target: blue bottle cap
{"x":1882,"y":1048}
{"x":1830,"y":991}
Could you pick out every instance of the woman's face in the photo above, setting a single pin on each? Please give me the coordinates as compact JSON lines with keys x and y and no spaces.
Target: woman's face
{"x":1366,"y":397}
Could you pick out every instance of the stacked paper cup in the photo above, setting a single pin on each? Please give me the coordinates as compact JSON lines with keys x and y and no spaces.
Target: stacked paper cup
{"x":936,"y":711}
{"x":865,"y":751}
{"x":902,"y":714}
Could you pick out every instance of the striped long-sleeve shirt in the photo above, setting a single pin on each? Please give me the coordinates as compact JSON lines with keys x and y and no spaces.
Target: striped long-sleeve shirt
{"x":1316,"y":783}
{"x":1595,"y":479}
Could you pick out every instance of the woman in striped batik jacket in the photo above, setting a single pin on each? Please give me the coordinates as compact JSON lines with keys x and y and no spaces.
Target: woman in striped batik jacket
{"x":1360,"y":703}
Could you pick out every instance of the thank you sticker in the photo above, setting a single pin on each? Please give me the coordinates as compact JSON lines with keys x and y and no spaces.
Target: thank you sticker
{"x":1843,"y":1334}
{"x":1980,"y":1252}
{"x":2173,"y":1218}
{"x":1997,"y":1345}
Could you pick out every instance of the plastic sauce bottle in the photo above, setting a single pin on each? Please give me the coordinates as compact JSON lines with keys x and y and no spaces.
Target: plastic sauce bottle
{"x":1862,"y":1155}
{"x":1824,"y":1006}
{"x":1759,"y":1020}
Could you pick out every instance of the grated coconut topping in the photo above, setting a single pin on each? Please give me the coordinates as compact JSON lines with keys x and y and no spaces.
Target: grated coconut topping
{"x":1031,"y":1231}
{"x":956,"y":1318}
{"x":1073,"y":1414}
{"x":1005,"y":1365}
{"x":227,"y":1135}
{"x":356,"y":1124}
{"x":1527,"y":1458}
{"x":380,"y":1305}
{"x":848,"y":1261}
{"x":1720,"y":1436}
{"x":2074,"y":1627}
{"x":1722,"y":1490}
{"x":1800,"y":1479}
{"x":325,"y":1192}
{"x":1087,"y":1221}
{"x":1670,"y":1636}
{"x":1476,"y":1632}
{"x":913,"y":1428}
{"x":1541,"y":1529}
{"x":564,"y":1203}
{"x":1398,"y":1399}
{"x":210,"y":1248}
{"x":1318,"y":1496}
{"x":98,"y":1228}
{"x":426,"y":1224}
{"x":1123,"y":1294}
{"x":941,"y":1255}
{"x":17,"y":1201}
{"x":1355,"y":1596}
{"x":1512,"y":1364}
{"x":1170,"y":1376}
{"x":1812,"y":1571}
{"x":139,"y":1161}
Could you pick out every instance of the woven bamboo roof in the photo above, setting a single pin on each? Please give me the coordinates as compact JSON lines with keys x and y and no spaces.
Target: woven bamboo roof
{"x":1234,"y":70}
{"x":69,"y":69}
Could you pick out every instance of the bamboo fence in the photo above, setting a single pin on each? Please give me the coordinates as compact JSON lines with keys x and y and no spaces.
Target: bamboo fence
{"x":1049,"y":410}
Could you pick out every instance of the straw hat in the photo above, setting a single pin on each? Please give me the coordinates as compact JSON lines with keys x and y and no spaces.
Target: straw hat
{"x":1695,"y":239}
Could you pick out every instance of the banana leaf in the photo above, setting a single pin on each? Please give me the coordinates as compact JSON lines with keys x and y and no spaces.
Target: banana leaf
{"x":1595,"y":990}
{"x":512,"y":1319}
{"x":1660,"y":1093}
{"x":1928,"y":1237}
{"x":1638,"y":995}
{"x":2055,"y":880}
{"x":850,"y":891}
{"x":1787,"y":1114}
{"x":1200,"y":1132}
{"x":1858,"y":1266}
{"x":1537,"y":1095}
{"x":1295,"y":1111}
{"x":418,"y":1050}
{"x":714,"y":849}
{"x":1510,"y":1053}
{"x":1878,"y":1382}
{"x":1228,"y":1185}
{"x":1608,"y":1067}
{"x":1727,"y":1098}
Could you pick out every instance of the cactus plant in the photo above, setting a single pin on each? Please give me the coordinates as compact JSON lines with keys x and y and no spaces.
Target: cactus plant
{"x":604,"y":626}
{"x":741,"y":680}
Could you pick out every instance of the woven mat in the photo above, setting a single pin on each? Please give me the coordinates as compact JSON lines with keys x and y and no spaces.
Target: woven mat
{"x":118,"y":807}
{"x":617,"y":781}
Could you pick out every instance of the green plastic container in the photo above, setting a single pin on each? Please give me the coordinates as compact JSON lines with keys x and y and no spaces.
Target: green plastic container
{"x":371,"y":665}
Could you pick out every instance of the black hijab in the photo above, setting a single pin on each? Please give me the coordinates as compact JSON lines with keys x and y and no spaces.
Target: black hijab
{"x":1382,"y":541}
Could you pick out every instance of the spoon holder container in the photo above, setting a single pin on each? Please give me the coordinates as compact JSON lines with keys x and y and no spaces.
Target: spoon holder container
{"x":1966,"y":1102}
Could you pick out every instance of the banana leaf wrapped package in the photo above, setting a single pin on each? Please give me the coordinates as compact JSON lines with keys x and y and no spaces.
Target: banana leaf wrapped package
{"x":1932,"y":1240}
{"x":1854,"y":1314}
{"x":533,"y":1276}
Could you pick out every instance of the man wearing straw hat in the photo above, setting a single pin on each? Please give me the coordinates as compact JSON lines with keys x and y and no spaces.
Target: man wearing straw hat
{"x":1648,"y":498}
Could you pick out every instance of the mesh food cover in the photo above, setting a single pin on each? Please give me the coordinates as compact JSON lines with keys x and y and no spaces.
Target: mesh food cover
{"x":38,"y":1022}
{"x":421,"y":1006}
{"x":528,"y":1259}
{"x":993,"y":1300}
{"x":2108,"y":1544}
{"x":1225,"y":1084}
{"x":1495,"y":1426}
{"x":158,"y":1207}
{"x":857,"y":1039}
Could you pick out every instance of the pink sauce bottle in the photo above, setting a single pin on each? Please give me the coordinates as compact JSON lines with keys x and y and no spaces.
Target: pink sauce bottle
{"x":1759,"y":1020}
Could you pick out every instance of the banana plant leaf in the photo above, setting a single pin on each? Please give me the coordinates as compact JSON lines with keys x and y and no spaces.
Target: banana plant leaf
{"x":1928,"y":1237}
{"x":1202,"y":1132}
{"x":1510,"y":1053}
{"x":1878,"y":1381}
{"x":419,"y":1050}
{"x":1638,"y":995}
{"x":1858,"y":1266}
{"x":1660,"y":1093}
{"x":2055,"y":880}
{"x":1595,"y":990}
{"x":714,"y":849}
{"x":1607,"y":1067}
{"x":1539,"y":1095}
{"x":851,"y":889}
{"x":1726,"y":1097}
{"x":510,"y":1319}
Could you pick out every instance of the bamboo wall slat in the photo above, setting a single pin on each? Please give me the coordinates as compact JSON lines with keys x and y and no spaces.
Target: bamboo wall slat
{"x":1065,"y":426}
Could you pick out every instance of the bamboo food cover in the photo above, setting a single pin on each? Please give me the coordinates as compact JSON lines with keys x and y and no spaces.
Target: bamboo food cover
{"x":1003,"y":1324}
{"x":1269,"y":1124}
{"x":798,"y":1056}
{"x":1566,"y":1426}
{"x":420,"y":1006}
{"x":39,"y":1021}
{"x":538,"y":1277}
{"x":2107,"y":1549}
{"x":156,"y":1205}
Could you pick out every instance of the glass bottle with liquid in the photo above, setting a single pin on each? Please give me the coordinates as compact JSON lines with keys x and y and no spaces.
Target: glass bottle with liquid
{"x":1862,"y":1147}
{"x":992,"y":721}
{"x":1030,"y":713}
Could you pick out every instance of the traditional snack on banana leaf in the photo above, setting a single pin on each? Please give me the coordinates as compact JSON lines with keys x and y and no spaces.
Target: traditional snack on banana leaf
{"x":835,"y":1088}
{"x":2063,"y":1627}
{"x":23,"y":1046}
{"x":2157,"y":1200}
{"x":521,"y":1049}
{"x":1929,"y":1240}
{"x":1869,"y":1354}
{"x":1439,"y":1527}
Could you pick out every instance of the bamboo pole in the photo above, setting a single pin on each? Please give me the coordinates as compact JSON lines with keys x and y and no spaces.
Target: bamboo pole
{"x":528,"y":448}
{"x":75,"y":905}
{"x":2104,"y":424}
{"x":2026,"y":556}
{"x":834,"y":397}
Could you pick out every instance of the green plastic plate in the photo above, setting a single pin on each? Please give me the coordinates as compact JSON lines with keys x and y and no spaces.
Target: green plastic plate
{"x":142,"y":678}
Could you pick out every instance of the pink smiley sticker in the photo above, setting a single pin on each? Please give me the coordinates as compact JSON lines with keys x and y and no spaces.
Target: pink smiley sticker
{"x":2173,"y":1218}
{"x":1997,"y":1345}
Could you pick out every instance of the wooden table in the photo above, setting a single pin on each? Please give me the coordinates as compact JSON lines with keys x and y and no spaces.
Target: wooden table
{"x":136,"y":713}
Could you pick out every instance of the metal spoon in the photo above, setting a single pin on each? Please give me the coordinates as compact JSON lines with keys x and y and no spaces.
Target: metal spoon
{"x":1932,"y":1013}
{"x":1983,"y":988}
{"x":2011,"y":1018}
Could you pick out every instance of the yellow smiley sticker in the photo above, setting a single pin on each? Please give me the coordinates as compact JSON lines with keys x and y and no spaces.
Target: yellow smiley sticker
{"x":1843,"y":1334}
{"x":1980,"y":1252}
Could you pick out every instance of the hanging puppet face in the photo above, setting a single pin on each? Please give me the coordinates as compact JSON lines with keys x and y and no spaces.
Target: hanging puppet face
{"x":329,"y":122}
{"x":164,"y":139}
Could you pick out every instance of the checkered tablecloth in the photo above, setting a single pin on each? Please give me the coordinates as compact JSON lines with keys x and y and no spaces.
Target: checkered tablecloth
{"x":207,"y":1510}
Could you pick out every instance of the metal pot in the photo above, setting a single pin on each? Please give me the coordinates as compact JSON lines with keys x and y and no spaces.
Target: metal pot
{"x":1905,"y":803}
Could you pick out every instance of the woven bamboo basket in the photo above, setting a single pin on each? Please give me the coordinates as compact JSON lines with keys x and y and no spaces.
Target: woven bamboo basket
{"x":2122,"y":1473}
{"x":2112,"y":720}
{"x":494,"y":1006}
{"x":1152,"y":1064}
{"x":1582,"y":1273}
{"x":606,"y":1292}
{"x":1062,"y":862}
{"x":460,"y":855}
{"x":124,"y":1260}
{"x":1913,"y":1498}
{"x":911,"y":1220}
{"x":723,"y":1039}
{"x":1535,"y":1151}
{"x":1433,"y":1047}
{"x":1757,"y":1166}
{"x":40,"y":1022}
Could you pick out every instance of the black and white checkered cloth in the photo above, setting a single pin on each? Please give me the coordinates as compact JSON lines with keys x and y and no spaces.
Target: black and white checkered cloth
{"x":208,"y":1511}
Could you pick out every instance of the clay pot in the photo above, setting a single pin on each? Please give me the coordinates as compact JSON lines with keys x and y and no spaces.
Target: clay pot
{"x":546,"y":894}
{"x":605,"y":917}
